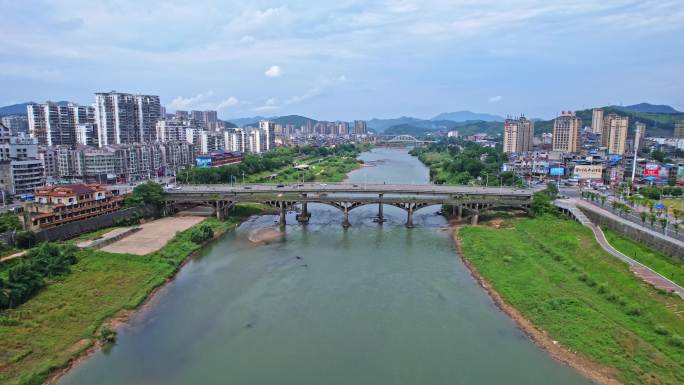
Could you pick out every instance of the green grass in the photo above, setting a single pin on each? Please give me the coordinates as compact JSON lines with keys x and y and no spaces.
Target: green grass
{"x":662,"y":263}
{"x":63,"y":319}
{"x":557,"y":276}
{"x":322,"y":169}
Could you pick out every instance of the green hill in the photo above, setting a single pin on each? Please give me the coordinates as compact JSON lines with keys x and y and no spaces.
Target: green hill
{"x":657,"y":124}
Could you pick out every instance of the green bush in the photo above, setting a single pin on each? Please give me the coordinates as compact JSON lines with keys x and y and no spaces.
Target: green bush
{"x":27,"y":277}
{"x":676,"y":340}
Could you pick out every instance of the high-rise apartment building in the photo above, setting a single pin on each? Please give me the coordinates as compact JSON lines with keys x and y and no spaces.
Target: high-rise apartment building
{"x":566,"y":132}
{"x":518,"y":135}
{"x":679,"y":129}
{"x":52,"y":124}
{"x":124,"y":118}
{"x":360,"y":127}
{"x":267,"y":129}
{"x":614,"y":134}
{"x":16,"y":123}
{"x":234,"y":139}
{"x":597,"y":121}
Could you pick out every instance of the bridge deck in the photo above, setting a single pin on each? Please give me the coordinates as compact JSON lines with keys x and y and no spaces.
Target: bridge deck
{"x":361,"y":188}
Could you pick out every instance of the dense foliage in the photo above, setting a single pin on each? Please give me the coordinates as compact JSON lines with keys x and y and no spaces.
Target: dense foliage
{"x":542,"y":201}
{"x":25,"y":278}
{"x":148,"y":193}
{"x":254,"y":165}
{"x":460,"y":162}
{"x":9,"y":221}
{"x":202,"y":233}
{"x":654,"y":192}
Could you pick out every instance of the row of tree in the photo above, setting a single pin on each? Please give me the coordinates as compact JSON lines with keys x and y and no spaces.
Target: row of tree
{"x":465,"y":162}
{"x":29,"y":275}
{"x":253,"y":164}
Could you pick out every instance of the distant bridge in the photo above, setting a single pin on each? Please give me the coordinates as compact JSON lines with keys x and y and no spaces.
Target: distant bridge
{"x":402,"y":140}
{"x":347,"y":197}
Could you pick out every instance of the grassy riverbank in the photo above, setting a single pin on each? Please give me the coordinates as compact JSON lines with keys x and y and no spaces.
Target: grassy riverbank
{"x":582,"y":297}
{"x":326,"y":164}
{"x":660,"y":262}
{"x":63,"y":320}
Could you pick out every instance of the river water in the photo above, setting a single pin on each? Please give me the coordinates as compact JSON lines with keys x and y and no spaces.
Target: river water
{"x":373,"y":304}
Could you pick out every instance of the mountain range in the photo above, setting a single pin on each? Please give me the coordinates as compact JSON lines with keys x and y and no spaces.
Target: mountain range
{"x":659,"y":120}
{"x":20,"y":108}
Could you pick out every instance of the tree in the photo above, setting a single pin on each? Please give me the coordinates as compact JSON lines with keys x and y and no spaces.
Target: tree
{"x":663,"y":223}
{"x":148,"y":193}
{"x":643,"y":215}
{"x":9,"y":221}
{"x":652,"y":219}
{"x":603,"y":199}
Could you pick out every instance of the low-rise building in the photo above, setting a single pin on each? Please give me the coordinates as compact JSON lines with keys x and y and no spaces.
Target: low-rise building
{"x":57,"y":205}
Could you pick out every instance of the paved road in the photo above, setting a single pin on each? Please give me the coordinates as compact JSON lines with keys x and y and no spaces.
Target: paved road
{"x":353,"y":188}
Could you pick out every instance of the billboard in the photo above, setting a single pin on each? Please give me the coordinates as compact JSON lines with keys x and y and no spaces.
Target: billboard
{"x":556,"y":171}
{"x":591,"y":171}
{"x":680,"y":172}
{"x":203,"y":161}
{"x":651,"y":169}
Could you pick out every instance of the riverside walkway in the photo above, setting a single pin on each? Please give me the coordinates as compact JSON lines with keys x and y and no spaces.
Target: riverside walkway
{"x":644,"y":272}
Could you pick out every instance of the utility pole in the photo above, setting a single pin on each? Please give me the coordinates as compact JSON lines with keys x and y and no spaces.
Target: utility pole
{"x":636,"y":149}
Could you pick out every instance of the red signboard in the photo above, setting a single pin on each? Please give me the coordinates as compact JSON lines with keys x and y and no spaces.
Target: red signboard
{"x":651,"y":169}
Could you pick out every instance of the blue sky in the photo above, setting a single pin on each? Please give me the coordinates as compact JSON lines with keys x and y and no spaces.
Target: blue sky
{"x":347,"y":59}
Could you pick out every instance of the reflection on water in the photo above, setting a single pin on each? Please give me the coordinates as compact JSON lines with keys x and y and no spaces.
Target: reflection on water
{"x":316,"y":304}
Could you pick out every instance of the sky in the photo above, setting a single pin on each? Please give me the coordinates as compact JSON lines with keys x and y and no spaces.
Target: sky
{"x":347,"y":59}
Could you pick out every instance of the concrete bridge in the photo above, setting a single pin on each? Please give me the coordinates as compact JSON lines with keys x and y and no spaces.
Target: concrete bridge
{"x":349,"y":196}
{"x":401,"y":140}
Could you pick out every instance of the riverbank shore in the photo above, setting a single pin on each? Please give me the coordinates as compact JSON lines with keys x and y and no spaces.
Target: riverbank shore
{"x":124,"y":316}
{"x":576,"y":301}
{"x":60,"y":327}
{"x":588,"y":368}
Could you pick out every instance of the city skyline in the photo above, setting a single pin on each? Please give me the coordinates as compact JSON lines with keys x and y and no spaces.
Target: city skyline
{"x":350,"y":60}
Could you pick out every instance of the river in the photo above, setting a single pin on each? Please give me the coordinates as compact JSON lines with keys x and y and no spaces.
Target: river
{"x":373,"y":304}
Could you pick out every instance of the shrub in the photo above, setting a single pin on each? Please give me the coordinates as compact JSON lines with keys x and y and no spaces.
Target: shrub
{"x":676,"y":340}
{"x":107,"y":335}
{"x":634,"y":311}
{"x":660,"y":329}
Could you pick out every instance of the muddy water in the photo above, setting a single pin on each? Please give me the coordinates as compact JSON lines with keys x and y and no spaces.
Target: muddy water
{"x":319,"y":305}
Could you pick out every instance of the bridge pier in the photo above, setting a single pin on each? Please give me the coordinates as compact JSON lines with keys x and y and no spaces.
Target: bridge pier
{"x":409,"y":216}
{"x":304,"y":216}
{"x":460,"y":212}
{"x":345,"y":219}
{"x":381,"y":215}
{"x":283,"y":215}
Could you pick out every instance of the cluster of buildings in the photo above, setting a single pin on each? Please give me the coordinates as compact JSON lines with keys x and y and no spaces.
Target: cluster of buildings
{"x":124,"y":138}
{"x":603,"y":153}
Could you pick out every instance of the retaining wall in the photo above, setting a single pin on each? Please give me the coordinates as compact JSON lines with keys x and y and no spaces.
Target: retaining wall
{"x":632,"y":231}
{"x":70,"y":230}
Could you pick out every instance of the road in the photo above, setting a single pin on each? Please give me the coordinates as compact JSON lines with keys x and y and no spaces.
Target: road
{"x":354,"y":188}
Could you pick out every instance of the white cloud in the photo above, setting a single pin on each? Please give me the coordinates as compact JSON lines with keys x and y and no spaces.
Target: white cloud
{"x":495,"y":99}
{"x":201,"y":102}
{"x":231,"y":101}
{"x":273,"y":72}
{"x":183,"y":103}
{"x":247,"y":39}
